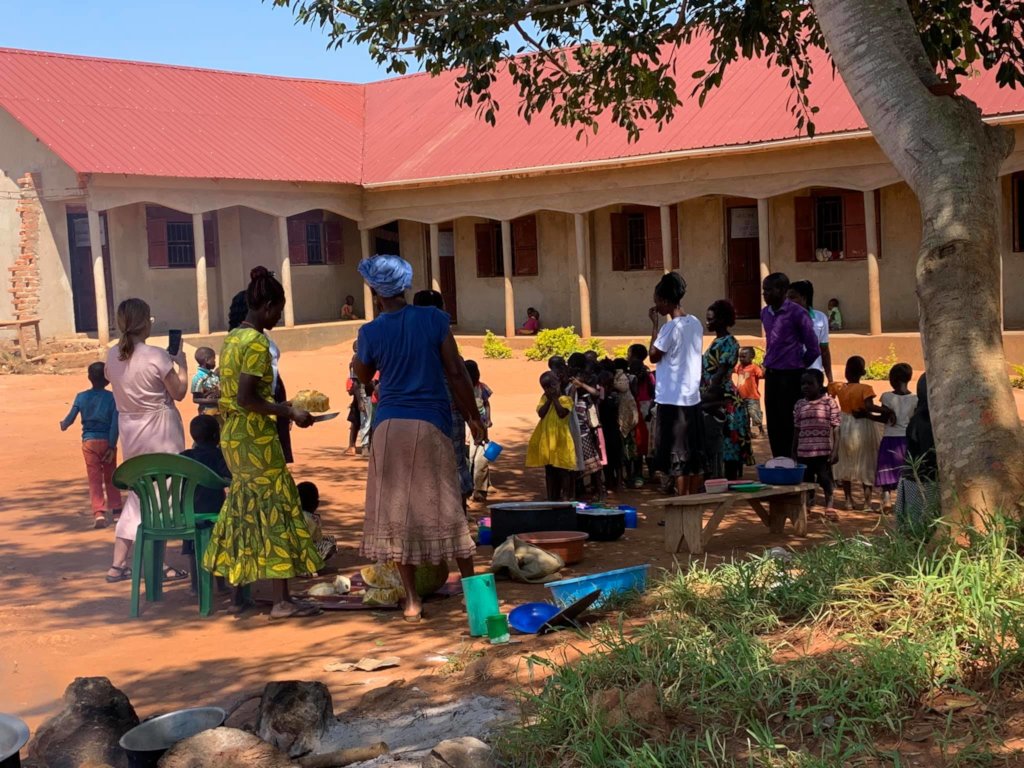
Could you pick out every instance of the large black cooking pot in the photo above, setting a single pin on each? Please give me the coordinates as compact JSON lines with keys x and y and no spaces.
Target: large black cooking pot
{"x":13,"y":736}
{"x":601,"y":524}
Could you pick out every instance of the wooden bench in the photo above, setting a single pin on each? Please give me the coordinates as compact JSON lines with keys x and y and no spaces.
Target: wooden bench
{"x":684,"y":515}
{"x":20,"y":326}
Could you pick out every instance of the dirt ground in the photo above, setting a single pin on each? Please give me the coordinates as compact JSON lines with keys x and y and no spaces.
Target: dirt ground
{"x":59,"y":619}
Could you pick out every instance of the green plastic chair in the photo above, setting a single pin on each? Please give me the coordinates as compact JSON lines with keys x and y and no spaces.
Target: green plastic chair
{"x":166,"y":484}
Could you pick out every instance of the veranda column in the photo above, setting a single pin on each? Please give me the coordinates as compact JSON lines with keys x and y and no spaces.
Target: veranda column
{"x":364,"y":245}
{"x":874,"y":291}
{"x":202,"y":295}
{"x":506,"y":260}
{"x":666,"y":236}
{"x":435,"y":257}
{"x":286,"y":271}
{"x":583,"y":272}
{"x":99,"y":278}
{"x":764,"y":245}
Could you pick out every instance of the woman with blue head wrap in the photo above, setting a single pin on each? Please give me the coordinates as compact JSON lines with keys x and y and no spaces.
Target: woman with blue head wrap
{"x":414,"y":512}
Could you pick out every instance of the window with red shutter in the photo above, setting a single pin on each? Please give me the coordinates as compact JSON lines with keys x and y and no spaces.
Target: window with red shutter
{"x":804,"y":219}
{"x":619,"y":243}
{"x":333,"y":245}
{"x":674,"y":218}
{"x":485,"y":249}
{"x":156,"y":235}
{"x":655,"y":254}
{"x":297,"y":253}
{"x":525,"y":260}
{"x":1017,"y":210}
{"x":170,"y":239}
{"x":855,"y":238}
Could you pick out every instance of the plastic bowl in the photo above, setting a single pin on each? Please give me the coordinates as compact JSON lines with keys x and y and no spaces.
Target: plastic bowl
{"x":568,"y":591}
{"x":529,"y":618}
{"x":781,"y":475}
{"x":716,"y":486}
{"x":14,"y":736}
{"x":568,"y":545}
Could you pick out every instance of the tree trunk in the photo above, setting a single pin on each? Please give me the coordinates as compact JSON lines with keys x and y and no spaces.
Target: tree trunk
{"x":951,"y":159}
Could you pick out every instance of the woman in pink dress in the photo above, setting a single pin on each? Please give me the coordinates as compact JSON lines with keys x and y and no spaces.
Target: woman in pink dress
{"x":145,"y":384}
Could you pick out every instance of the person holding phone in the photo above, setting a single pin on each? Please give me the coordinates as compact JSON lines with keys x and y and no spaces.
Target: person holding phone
{"x":146,"y":382}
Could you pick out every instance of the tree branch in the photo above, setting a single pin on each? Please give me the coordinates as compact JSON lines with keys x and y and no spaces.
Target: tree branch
{"x":547,"y":54}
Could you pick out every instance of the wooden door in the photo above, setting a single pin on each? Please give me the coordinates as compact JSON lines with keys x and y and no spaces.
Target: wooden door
{"x":446,"y":251}
{"x":744,"y":259}
{"x":82,"y":285}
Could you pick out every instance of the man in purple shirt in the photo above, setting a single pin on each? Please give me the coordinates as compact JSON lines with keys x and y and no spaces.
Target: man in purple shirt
{"x":791,"y":346}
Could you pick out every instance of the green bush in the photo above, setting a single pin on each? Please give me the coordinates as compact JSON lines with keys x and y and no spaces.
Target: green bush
{"x":496,"y":348}
{"x":622,"y":350}
{"x":1017,"y":380}
{"x":561,"y":341}
{"x":878,"y":370}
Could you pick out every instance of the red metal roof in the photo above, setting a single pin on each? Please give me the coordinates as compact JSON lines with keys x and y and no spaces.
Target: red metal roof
{"x":107,"y":116}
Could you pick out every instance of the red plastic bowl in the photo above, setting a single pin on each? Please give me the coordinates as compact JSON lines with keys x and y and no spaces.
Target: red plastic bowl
{"x":568,"y":545}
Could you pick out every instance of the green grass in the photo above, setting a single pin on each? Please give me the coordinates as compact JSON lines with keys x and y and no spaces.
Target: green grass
{"x":724,"y":655}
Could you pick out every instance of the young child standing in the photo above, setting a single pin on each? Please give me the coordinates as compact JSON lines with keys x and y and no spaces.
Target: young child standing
{"x":835,"y":315}
{"x":551,"y":445}
{"x":642,"y":387}
{"x":360,"y":412}
{"x":479,"y":465}
{"x":205,"y":432}
{"x":206,"y":383}
{"x":748,"y":379}
{"x":816,"y":421}
{"x":99,"y":443}
{"x":858,"y":434}
{"x":897,"y":408}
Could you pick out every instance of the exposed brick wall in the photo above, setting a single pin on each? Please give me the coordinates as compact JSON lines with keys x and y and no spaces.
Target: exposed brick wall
{"x":25,"y":270}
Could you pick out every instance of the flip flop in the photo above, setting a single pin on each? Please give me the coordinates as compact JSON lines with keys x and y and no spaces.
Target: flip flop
{"x":174,"y":574}
{"x":123,"y":574}
{"x":301,"y":612}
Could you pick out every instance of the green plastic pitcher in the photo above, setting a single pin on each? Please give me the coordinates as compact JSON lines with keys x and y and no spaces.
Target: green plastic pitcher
{"x":481,"y":602}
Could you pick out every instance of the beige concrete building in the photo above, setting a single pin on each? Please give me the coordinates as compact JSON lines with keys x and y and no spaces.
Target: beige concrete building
{"x":171,"y":184}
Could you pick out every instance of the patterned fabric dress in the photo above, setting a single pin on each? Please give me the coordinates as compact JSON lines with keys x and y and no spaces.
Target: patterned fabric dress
{"x":725,"y":351}
{"x":261,"y":532}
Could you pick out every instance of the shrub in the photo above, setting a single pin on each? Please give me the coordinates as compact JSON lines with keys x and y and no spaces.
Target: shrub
{"x":1017,"y":380}
{"x":878,"y":370}
{"x":561,"y":341}
{"x":496,"y":348}
{"x":622,"y":350}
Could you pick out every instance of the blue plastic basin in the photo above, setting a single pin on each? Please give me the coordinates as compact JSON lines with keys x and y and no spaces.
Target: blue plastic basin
{"x":529,"y":618}
{"x":568,"y":591}
{"x":781,"y":475}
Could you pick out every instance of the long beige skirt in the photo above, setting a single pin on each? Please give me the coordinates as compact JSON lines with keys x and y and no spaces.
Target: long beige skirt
{"x":413,"y":500}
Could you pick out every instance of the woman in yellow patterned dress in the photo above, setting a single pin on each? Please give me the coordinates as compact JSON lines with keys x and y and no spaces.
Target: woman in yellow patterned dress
{"x":261,"y":532}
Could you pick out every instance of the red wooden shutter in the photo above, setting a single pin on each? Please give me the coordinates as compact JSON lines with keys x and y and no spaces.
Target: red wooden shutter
{"x":1017,"y":210}
{"x":804,"y":221}
{"x":332,"y":238}
{"x":676,"y":258}
{"x":878,"y":222}
{"x":156,"y":234}
{"x":524,"y":245}
{"x":855,"y":237}
{"x":652,"y":231}
{"x":211,"y":239}
{"x":297,"y":240}
{"x":618,"y":221}
{"x":484,"y":249}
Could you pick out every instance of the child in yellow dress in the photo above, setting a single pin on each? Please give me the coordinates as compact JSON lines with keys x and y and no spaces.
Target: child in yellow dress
{"x":551,"y":445}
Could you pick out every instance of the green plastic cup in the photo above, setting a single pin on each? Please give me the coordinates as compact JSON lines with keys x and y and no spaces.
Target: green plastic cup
{"x":481,"y":602}
{"x":497,"y":628}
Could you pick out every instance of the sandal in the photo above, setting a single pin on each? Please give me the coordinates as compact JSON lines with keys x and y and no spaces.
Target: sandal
{"x":123,"y":574}
{"x":301,"y":611}
{"x":174,"y":574}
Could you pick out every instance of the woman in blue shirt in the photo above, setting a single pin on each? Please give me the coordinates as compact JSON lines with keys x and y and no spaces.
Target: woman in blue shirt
{"x":414,"y":509}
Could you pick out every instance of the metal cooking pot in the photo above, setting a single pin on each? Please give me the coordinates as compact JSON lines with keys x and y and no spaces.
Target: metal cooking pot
{"x":147,"y":742}
{"x":13,"y":736}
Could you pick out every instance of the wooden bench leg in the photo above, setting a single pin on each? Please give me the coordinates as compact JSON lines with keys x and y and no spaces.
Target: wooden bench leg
{"x":673,"y":529}
{"x":791,"y":507}
{"x":693,"y":529}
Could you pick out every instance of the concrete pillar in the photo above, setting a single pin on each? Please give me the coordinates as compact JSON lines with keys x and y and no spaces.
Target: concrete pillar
{"x":202,"y":293}
{"x":874,"y":289}
{"x":286,"y":271}
{"x":764,"y":244}
{"x":364,"y":244}
{"x":435,"y":257}
{"x":99,"y":278}
{"x":583,"y":271}
{"x":506,"y":260}
{"x":666,"y":236}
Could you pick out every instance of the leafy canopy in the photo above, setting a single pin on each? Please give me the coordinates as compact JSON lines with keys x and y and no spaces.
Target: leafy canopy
{"x":579,"y":60}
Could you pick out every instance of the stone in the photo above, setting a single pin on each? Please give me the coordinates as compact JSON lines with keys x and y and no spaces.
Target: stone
{"x":95,"y":717}
{"x":295,"y":715}
{"x":464,"y":752}
{"x":225,"y":748}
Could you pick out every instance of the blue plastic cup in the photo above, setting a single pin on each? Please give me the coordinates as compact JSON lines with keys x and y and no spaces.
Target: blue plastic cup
{"x":492,"y":451}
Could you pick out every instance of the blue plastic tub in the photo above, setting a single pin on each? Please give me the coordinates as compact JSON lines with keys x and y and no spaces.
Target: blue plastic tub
{"x":631,"y":520}
{"x":483,"y":537}
{"x":618,"y":582}
{"x":529,"y":618}
{"x":492,"y":451}
{"x":781,"y":476}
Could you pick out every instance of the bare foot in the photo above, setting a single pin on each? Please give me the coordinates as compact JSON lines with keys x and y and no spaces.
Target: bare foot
{"x":349,"y":451}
